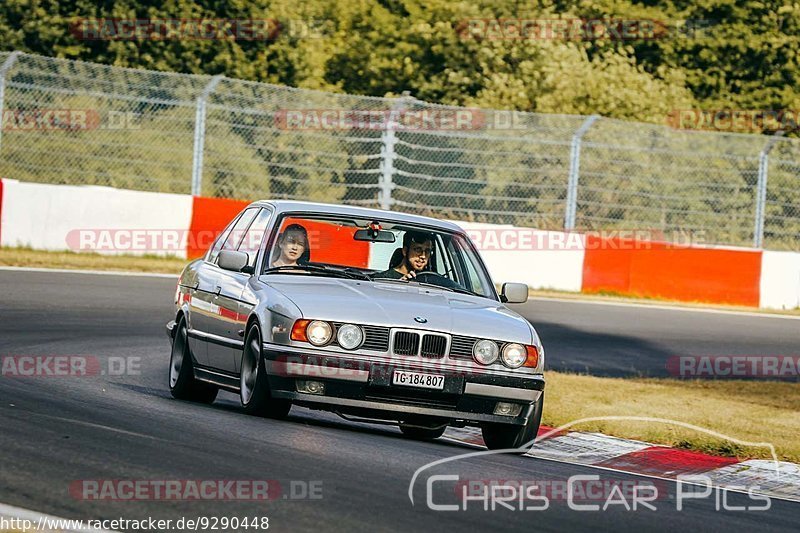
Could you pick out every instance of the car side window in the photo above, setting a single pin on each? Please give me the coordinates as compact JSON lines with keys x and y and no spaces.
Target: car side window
{"x":214,"y":251}
{"x":472,"y":277}
{"x":254,"y":235}
{"x":237,"y":233}
{"x":232,"y":233}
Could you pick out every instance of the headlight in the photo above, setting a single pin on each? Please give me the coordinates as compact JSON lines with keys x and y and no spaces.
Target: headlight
{"x":319,"y":333}
{"x":485,"y":352}
{"x":514,"y":355}
{"x":350,"y":337}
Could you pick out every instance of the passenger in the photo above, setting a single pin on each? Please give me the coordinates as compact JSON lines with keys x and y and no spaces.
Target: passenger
{"x":292,"y":247}
{"x":416,"y":254}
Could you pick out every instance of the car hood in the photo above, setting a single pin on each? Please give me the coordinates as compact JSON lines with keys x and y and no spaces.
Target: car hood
{"x":396,"y":304}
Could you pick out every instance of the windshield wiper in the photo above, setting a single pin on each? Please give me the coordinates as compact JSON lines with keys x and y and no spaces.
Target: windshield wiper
{"x":318,"y":269}
{"x":433,"y":285}
{"x":453,"y":289}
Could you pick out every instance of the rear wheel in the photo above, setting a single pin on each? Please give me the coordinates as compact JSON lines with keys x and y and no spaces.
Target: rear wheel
{"x":421,"y":430}
{"x":507,"y":436}
{"x":254,"y":391}
{"x":182,"y":383}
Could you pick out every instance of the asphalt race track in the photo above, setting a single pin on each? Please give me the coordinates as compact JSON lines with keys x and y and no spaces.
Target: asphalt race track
{"x":59,"y":430}
{"x":622,"y":340}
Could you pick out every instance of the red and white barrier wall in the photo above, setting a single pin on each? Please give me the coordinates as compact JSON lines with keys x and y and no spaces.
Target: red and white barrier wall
{"x":91,"y":218}
{"x":108,"y":220}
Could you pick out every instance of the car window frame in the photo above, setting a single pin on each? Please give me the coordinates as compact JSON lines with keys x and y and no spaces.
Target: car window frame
{"x":259,"y":250}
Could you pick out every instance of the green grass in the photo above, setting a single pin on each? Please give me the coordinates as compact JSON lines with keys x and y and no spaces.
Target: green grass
{"x":25,"y":257}
{"x":753,"y":411}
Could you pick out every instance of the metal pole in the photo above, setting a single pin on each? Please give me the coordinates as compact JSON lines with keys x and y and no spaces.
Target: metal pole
{"x":388,"y":140}
{"x":6,"y":66}
{"x":574,"y":172}
{"x":200,"y":135}
{"x":761,"y":189}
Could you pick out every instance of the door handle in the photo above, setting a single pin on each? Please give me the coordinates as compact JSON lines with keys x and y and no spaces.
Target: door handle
{"x":217,"y":290}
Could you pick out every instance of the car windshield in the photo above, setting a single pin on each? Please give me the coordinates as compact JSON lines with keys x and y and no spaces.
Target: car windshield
{"x":376,"y":251}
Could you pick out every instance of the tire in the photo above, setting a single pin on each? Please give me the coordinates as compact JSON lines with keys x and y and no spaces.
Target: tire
{"x":182,"y":383}
{"x":254,"y":391}
{"x":421,"y":430}
{"x":508,"y":436}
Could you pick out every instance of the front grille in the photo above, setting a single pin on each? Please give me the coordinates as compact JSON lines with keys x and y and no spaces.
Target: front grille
{"x":462,"y":346}
{"x":376,"y":338}
{"x":433,"y":346}
{"x":406,"y":343}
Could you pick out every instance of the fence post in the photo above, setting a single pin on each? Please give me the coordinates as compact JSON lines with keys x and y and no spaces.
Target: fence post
{"x":761,"y":189}
{"x":4,"y":68}
{"x":574,"y":172}
{"x":200,"y":135}
{"x":388,"y":140}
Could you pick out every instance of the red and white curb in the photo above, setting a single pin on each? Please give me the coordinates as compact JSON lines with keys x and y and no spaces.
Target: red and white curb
{"x":776,"y":479}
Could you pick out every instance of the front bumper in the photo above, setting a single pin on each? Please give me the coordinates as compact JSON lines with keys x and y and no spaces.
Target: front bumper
{"x":170,"y":327}
{"x":363,"y":386}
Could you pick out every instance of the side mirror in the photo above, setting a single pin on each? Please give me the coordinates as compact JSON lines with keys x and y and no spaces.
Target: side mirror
{"x":234,"y":261}
{"x":514,"y":293}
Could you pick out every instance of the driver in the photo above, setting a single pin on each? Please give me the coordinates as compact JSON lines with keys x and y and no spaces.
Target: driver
{"x":417,"y":249}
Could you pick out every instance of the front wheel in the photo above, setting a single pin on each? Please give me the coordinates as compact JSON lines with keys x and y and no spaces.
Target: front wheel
{"x":508,"y":436}
{"x":254,"y":391}
{"x":182,"y":383}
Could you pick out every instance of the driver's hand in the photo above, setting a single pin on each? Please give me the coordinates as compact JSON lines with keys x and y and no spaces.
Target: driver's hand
{"x":411,"y":275}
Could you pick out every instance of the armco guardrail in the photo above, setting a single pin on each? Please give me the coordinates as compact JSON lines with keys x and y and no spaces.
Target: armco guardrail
{"x":116,"y":221}
{"x":82,"y":123}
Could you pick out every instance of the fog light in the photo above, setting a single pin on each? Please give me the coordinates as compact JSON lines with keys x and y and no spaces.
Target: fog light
{"x":507,"y":409}
{"x":310,"y":387}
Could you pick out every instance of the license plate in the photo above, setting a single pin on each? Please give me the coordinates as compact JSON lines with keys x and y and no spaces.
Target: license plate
{"x":417,"y":379}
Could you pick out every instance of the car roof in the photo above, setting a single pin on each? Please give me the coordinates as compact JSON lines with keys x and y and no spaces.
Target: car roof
{"x":288,"y":206}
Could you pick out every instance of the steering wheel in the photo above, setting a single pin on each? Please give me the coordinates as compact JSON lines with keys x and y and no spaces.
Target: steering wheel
{"x":428,"y":273}
{"x":434,"y":278}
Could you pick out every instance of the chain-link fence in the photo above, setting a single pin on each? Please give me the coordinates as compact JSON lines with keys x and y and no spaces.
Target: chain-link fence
{"x":82,"y":123}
